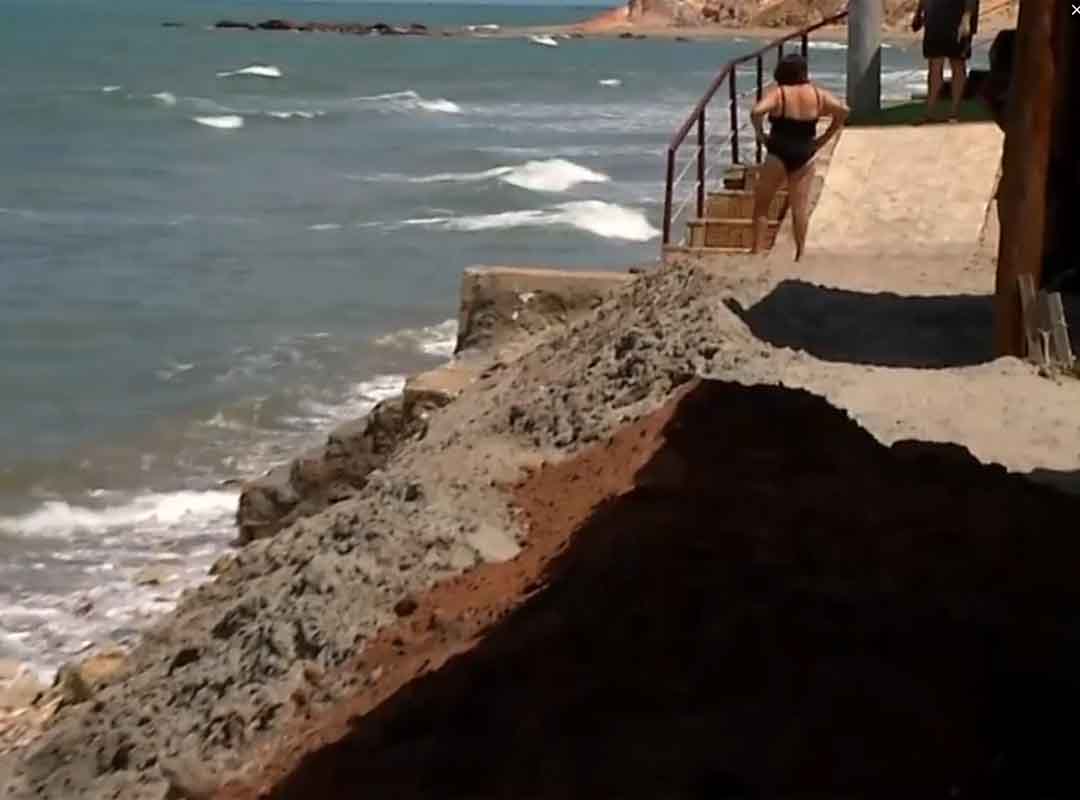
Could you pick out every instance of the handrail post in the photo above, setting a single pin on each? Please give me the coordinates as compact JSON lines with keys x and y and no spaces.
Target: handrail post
{"x":668,"y":189}
{"x":760,"y":94}
{"x":734,"y":119}
{"x":701,"y":165}
{"x":805,"y":46}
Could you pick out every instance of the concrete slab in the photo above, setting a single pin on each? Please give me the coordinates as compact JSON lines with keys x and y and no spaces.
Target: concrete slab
{"x":907,"y":191}
{"x":501,"y":303}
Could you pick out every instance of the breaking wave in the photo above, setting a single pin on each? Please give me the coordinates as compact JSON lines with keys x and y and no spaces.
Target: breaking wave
{"x":224,"y":122}
{"x":544,"y":40}
{"x":549,"y":175}
{"x":295,"y":114}
{"x":165,"y":98}
{"x":607,"y":220}
{"x":254,"y":70}
{"x":409,"y":100}
{"x":433,"y":340}
{"x":151,"y":513}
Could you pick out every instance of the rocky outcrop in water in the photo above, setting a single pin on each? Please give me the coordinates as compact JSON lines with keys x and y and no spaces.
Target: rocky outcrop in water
{"x":356,"y":28}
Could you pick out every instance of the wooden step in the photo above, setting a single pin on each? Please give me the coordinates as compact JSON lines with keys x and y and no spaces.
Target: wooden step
{"x":683,"y":249}
{"x":728,"y":232}
{"x":742,"y":177}
{"x":739,"y":204}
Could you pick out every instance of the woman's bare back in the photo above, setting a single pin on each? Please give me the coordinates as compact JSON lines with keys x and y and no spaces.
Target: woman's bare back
{"x":799,"y":102}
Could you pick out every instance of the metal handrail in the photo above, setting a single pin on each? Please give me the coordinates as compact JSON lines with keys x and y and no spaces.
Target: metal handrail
{"x":729,"y":73}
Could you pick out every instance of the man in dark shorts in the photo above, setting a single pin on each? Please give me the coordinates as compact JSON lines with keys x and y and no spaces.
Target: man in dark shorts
{"x":948,"y":27}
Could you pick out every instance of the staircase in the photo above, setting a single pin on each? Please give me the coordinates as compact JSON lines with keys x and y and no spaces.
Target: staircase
{"x":728,"y":225}
{"x":719,"y":220}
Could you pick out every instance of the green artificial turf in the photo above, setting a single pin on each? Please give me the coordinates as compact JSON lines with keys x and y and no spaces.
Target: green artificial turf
{"x":912,"y":112}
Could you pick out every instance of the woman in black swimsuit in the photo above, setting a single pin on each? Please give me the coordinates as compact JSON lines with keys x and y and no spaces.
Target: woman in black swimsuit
{"x":793,"y":107}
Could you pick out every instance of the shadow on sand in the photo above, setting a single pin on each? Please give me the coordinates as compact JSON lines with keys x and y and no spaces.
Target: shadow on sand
{"x":881,"y":329}
{"x":887,"y":330}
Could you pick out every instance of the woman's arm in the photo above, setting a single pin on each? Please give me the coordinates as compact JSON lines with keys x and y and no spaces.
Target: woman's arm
{"x":968,"y":19}
{"x":765,"y":105}
{"x":920,"y":16}
{"x":838,"y":111}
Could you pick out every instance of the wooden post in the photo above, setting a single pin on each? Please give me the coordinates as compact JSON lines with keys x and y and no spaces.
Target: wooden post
{"x":1022,"y":200}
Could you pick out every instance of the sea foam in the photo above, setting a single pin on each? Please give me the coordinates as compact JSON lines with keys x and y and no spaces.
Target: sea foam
{"x":295,"y":114}
{"x":409,"y":100}
{"x":224,"y":122}
{"x":152,"y":512}
{"x":607,"y":220}
{"x":433,"y":340}
{"x":548,"y":175}
{"x":255,"y":70}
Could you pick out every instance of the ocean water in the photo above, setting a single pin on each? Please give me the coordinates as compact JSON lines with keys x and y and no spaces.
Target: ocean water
{"x":204,"y":266}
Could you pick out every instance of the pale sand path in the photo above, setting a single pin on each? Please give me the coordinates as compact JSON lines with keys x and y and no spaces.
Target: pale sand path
{"x":891,"y":305}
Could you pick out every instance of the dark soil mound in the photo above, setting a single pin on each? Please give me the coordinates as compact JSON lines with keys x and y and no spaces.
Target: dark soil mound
{"x":757,"y":600}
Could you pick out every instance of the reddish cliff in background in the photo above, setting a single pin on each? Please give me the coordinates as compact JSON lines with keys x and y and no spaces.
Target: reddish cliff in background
{"x":761,"y":13}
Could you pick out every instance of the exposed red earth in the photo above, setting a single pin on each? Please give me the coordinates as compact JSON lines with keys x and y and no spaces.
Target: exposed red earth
{"x":742,"y":594}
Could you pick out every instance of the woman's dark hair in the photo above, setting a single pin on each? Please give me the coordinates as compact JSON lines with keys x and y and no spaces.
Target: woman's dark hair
{"x":791,"y":70}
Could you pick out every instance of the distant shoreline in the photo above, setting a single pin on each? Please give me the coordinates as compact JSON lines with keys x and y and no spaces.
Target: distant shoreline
{"x":831,"y":33}
{"x":595,"y":29}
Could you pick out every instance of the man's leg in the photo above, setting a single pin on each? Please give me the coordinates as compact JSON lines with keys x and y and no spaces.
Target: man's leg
{"x":937,"y":78}
{"x":958,"y":66}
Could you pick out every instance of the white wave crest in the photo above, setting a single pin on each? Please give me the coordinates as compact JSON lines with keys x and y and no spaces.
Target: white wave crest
{"x":549,"y":175}
{"x":488,"y":28}
{"x":360,"y":399}
{"x":295,"y":114}
{"x":610,"y":82}
{"x":544,"y":40}
{"x":159,"y":512}
{"x":433,"y":340}
{"x":825,"y":45}
{"x":325,"y":226}
{"x":225,"y":122}
{"x":552,"y":175}
{"x":409,"y":100}
{"x":606,"y":220}
{"x":254,"y":70}
{"x":165,"y":98}
{"x":174,"y":368}
{"x":110,"y":89}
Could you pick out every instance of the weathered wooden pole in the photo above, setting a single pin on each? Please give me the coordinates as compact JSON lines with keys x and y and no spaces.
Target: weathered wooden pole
{"x":864,"y":57}
{"x":1022,"y":195}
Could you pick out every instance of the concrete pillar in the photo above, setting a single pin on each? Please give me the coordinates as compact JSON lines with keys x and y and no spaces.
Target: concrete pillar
{"x":864,"y":57}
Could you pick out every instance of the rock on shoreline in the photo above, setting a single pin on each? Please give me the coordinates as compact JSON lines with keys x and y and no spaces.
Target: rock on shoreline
{"x":323,"y":477}
{"x":356,"y":28}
